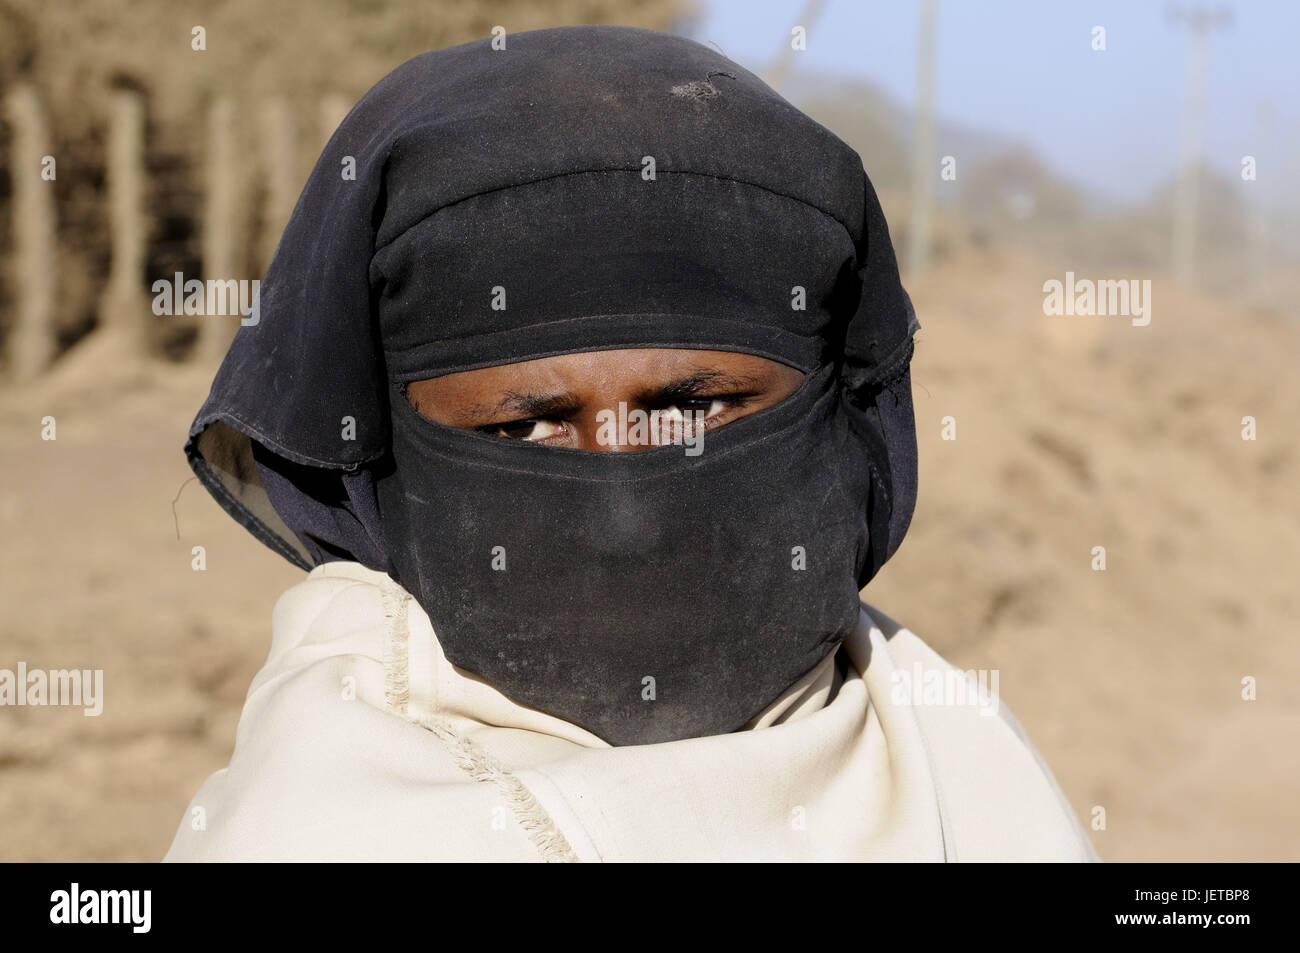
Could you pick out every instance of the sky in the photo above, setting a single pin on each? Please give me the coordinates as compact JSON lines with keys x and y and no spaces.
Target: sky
{"x":1110,"y":120}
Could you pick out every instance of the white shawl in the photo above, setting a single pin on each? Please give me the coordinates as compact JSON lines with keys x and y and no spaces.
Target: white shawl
{"x":360,"y":741}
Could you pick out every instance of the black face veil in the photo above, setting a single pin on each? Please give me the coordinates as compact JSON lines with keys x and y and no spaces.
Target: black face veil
{"x":585,"y":188}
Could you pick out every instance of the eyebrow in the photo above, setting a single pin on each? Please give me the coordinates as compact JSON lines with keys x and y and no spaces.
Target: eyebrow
{"x":534,"y":405}
{"x":699,"y":382}
{"x":528,"y":405}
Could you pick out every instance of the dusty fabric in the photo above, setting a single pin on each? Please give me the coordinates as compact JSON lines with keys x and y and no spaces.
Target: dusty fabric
{"x":584,"y":188}
{"x":359,"y":741}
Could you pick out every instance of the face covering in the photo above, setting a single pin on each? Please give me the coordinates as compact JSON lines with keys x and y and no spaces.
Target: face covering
{"x":587,"y":188}
{"x":645,"y":596}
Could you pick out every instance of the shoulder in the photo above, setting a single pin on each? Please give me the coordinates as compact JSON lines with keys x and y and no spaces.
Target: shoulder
{"x":323,"y":767}
{"x":337,"y":601}
{"x":997,"y":792}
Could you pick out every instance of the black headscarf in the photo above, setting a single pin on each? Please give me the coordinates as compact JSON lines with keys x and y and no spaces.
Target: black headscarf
{"x":624,"y":188}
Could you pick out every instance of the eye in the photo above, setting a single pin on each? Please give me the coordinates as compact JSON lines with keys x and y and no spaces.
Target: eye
{"x":532,"y":428}
{"x":695,"y":408}
{"x":685,"y":415}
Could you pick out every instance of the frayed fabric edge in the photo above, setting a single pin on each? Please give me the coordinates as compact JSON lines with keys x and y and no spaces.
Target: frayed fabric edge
{"x":540,"y":829}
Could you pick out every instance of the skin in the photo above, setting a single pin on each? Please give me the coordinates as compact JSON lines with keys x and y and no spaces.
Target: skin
{"x":556,"y":400}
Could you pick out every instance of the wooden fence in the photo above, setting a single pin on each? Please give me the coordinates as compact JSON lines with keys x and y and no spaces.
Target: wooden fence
{"x":225,"y":218}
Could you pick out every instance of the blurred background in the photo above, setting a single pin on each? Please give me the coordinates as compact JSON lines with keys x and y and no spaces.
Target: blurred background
{"x":1011,"y":142}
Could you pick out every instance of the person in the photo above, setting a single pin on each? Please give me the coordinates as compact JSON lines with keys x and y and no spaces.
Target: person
{"x":580,"y":386}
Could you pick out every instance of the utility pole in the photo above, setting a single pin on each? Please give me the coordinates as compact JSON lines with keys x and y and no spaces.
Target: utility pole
{"x":1258,"y":209}
{"x":1200,"y":21}
{"x":923,"y":164}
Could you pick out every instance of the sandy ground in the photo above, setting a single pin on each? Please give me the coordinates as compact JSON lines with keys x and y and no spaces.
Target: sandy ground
{"x":1072,"y":432}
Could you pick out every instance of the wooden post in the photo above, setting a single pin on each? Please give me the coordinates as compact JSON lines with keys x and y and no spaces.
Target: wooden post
{"x":279,"y":172}
{"x":220,"y":217}
{"x":124,"y":308}
{"x":31,"y":335}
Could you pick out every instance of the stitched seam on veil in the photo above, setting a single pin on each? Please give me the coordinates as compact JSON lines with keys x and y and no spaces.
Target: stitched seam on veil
{"x":397,"y":673}
{"x":541,"y":830}
{"x":537,"y":824}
